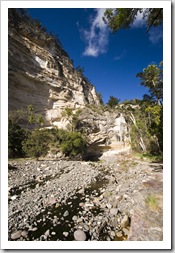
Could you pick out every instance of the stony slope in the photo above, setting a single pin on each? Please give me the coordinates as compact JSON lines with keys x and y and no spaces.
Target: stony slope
{"x":117,"y":199}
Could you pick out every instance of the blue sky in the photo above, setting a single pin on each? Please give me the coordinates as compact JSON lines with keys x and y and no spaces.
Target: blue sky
{"x":110,"y":61}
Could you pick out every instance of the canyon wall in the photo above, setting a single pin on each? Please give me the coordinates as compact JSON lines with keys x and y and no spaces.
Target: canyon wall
{"x":42,"y":74}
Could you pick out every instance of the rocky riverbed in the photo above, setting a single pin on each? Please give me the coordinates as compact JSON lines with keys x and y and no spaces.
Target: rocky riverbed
{"x":118,"y":198}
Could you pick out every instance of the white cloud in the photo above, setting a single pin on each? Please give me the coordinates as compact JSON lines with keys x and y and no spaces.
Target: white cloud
{"x":155,"y":34}
{"x":139,"y":21}
{"x":96,"y":38}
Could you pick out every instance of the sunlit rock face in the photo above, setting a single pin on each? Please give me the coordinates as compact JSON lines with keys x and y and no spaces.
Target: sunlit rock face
{"x":107,"y":132}
{"x":42,"y":74}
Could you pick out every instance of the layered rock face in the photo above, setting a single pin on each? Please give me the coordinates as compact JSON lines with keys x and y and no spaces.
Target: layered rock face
{"x":107,"y":131}
{"x":42,"y":74}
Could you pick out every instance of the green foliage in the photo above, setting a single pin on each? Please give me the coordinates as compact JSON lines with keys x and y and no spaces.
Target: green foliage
{"x":155,"y":126}
{"x":120,"y":18}
{"x":80,"y":69}
{"x":16,"y":116}
{"x":123,"y":18}
{"x":146,"y":127}
{"x":33,"y":118}
{"x":16,"y":135}
{"x":152,"y":202}
{"x":99,"y":95}
{"x":37,"y":143}
{"x":113,"y":101}
{"x":72,"y":116}
{"x":73,"y":144}
{"x":26,"y":116}
{"x":152,"y":78}
{"x":21,"y":20}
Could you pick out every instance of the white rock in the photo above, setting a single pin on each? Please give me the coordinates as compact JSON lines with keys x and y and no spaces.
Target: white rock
{"x":65,"y":234}
{"x":113,"y":211}
{"x":125,"y":221}
{"x":66,"y":213}
{"x":79,"y":235}
{"x":13,"y":197}
{"x":16,"y":235}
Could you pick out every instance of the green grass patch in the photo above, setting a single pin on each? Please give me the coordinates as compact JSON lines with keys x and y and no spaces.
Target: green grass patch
{"x":152,"y":202}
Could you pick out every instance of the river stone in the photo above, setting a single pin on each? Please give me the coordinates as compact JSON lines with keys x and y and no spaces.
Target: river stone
{"x":47,"y":233}
{"x":125,"y":221}
{"x":66,"y":213}
{"x":65,"y":234}
{"x":126,"y":231}
{"x":116,"y":200}
{"x":51,"y":201}
{"x":119,"y":234}
{"x":34,"y":229}
{"x":113,"y":211}
{"x":74,"y":218}
{"x":112,"y":233}
{"x":79,"y":235}
{"x":13,"y":197}
{"x":81,"y":191}
{"x":16,"y":235}
{"x":24,"y":233}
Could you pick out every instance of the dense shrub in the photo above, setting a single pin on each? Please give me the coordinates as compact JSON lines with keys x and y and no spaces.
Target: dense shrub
{"x":73,"y":144}
{"x":37,"y":143}
{"x":16,"y":135}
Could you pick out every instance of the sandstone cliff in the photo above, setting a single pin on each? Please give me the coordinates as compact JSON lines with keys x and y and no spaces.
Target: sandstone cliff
{"x":41,"y":72}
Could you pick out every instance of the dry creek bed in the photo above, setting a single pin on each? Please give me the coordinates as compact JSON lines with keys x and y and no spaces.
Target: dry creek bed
{"x":74,"y":200}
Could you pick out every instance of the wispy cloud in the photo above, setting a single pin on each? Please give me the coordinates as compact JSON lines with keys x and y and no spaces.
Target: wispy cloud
{"x":155,"y":34}
{"x":121,"y":56}
{"x":96,"y":37}
{"x":139,"y":21}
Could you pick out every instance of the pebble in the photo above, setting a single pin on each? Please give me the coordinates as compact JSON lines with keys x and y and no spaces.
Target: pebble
{"x":74,"y":218}
{"x":13,"y":197}
{"x":119,"y":234}
{"x":34,"y":229}
{"x":112,"y":234}
{"x":113,"y":211}
{"x":24,"y":233}
{"x":79,"y":235}
{"x":16,"y":235}
{"x":125,"y":221}
{"x":47,"y":233}
{"x":66,"y":213}
{"x":126,"y":231}
{"x":66,"y":234}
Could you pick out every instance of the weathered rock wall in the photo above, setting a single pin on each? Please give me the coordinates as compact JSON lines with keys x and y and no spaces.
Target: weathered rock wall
{"x":107,"y":131}
{"x":42,"y":74}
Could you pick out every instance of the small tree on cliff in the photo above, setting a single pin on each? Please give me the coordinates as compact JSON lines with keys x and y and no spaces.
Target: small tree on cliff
{"x":113,"y":101}
{"x":72,"y":117}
